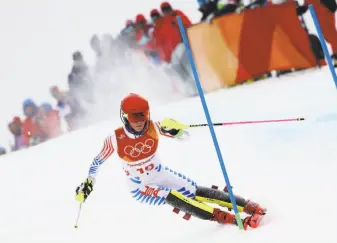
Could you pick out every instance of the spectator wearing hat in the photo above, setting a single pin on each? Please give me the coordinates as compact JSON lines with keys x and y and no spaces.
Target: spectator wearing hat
{"x":49,"y":120}
{"x":31,"y":130}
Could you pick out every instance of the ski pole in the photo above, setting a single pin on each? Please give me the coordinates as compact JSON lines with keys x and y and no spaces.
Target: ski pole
{"x":248,"y":122}
{"x":177,"y":125}
{"x":78,"y":216}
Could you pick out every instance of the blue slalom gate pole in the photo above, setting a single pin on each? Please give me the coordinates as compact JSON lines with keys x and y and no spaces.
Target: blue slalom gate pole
{"x":209,"y":121}
{"x":323,"y":43}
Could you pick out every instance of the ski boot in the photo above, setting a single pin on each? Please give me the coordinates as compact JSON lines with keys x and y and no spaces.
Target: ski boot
{"x":252,"y":221}
{"x":227,"y":218}
{"x":223,"y":217}
{"x":254,"y":208}
{"x":222,"y":198}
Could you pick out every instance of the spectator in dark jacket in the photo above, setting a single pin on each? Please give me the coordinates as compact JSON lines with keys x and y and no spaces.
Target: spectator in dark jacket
{"x":325,"y":11}
{"x":79,"y":80}
{"x":216,"y":8}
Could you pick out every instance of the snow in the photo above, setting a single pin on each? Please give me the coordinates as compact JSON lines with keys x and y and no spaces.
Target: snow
{"x":290,"y":168}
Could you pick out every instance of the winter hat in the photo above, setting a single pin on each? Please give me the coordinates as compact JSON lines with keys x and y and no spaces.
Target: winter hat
{"x":154,"y":13}
{"x":46,"y":106}
{"x":28,"y":102}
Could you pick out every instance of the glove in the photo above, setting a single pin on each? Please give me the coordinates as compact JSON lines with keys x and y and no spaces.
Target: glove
{"x":84,"y":190}
{"x":172,"y":127}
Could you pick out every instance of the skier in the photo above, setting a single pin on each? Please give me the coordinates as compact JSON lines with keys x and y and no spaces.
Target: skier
{"x":151,"y":182}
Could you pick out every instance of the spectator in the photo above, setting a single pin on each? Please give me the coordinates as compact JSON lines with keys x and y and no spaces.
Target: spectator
{"x":325,"y":11}
{"x":155,"y":15}
{"x":128,"y":34}
{"x":169,"y":41}
{"x":216,"y":8}
{"x":207,"y":8}
{"x":2,"y":150}
{"x":142,"y":30}
{"x":167,"y":9}
{"x":202,"y":2}
{"x":150,"y":48}
{"x":95,"y":45}
{"x":68,"y":108}
{"x":167,"y":36}
{"x":107,"y":45}
{"x":49,"y":120}
{"x":144,"y":38}
{"x":15,"y":127}
{"x":31,"y":130}
{"x":79,"y":79}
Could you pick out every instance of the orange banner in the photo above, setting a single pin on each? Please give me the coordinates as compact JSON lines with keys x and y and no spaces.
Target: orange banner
{"x":237,"y":47}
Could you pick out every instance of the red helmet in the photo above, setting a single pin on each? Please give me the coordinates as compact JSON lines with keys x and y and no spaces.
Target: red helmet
{"x":165,"y":6}
{"x":154,"y":12}
{"x":135,"y":108}
{"x":140,"y":18}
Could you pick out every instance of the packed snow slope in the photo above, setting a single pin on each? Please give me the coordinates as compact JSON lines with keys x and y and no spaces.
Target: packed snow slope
{"x":290,"y":168}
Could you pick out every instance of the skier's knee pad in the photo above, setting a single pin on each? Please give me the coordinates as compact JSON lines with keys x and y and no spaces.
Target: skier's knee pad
{"x":182,"y":183}
{"x":190,"y":206}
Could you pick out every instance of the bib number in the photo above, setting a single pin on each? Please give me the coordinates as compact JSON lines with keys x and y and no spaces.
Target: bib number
{"x":146,"y":168}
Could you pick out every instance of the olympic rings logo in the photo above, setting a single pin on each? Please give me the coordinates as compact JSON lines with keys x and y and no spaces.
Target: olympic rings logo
{"x":139,"y":148}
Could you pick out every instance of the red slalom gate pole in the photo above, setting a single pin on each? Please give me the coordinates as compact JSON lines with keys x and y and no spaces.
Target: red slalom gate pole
{"x":249,"y":122}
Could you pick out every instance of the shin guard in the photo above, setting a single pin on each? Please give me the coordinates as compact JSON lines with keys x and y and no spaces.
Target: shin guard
{"x":191,"y":207}
{"x":211,"y":195}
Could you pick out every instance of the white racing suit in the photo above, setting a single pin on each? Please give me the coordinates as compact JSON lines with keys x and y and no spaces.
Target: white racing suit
{"x":153,"y":183}
{"x":148,"y":179}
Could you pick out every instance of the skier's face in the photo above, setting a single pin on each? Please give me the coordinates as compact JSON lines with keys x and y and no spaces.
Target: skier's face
{"x":138,"y":126}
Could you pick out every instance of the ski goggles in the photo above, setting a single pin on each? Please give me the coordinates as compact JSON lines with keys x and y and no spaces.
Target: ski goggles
{"x":137,"y":116}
